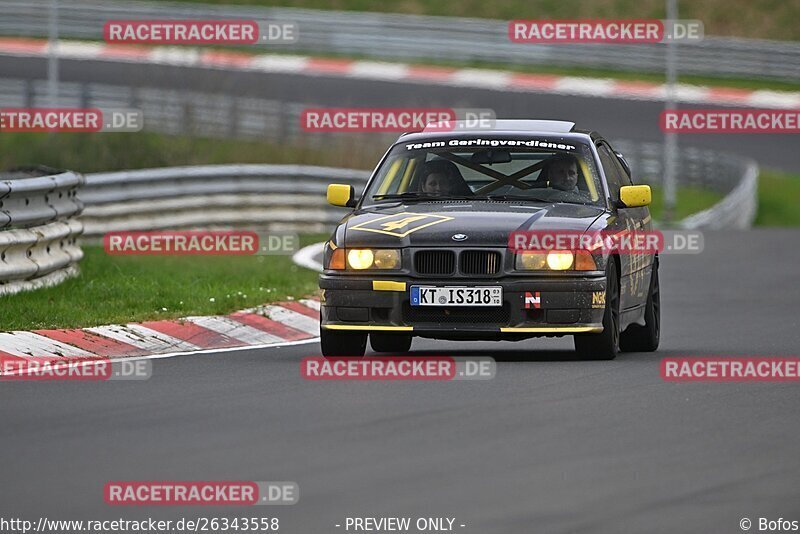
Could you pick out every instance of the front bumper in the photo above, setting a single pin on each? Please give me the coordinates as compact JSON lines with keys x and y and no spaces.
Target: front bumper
{"x":555,"y":307}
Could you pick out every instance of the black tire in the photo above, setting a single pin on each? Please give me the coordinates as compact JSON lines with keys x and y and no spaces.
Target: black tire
{"x":604,"y":346}
{"x":338,"y":343}
{"x":390,"y":342}
{"x":637,"y":338}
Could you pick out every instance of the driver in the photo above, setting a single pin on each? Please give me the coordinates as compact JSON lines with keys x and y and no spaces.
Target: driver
{"x":562,"y":173}
{"x":442,"y":178}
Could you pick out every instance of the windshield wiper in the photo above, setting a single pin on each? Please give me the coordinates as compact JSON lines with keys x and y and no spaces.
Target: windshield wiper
{"x":414,"y":195}
{"x":511,"y":197}
{"x":532,"y":199}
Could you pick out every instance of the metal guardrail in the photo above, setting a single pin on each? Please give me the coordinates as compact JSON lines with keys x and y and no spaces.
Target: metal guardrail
{"x":412,"y":37}
{"x":733,"y":176}
{"x":38,"y":229}
{"x":171,"y":111}
{"x":737,"y":210}
{"x":269,"y":196}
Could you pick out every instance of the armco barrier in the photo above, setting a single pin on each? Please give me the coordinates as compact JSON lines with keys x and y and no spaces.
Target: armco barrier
{"x":38,"y":228}
{"x":737,"y":210}
{"x":413,"y":37}
{"x":271,"y":196}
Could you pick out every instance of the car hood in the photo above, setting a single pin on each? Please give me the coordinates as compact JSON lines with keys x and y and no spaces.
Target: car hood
{"x":483,"y":223}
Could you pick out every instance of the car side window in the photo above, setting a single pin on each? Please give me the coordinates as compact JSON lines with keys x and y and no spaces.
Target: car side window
{"x":612,"y":172}
{"x":627,"y":179}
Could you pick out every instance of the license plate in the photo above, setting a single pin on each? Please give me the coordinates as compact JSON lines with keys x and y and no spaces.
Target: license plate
{"x":456,"y":296}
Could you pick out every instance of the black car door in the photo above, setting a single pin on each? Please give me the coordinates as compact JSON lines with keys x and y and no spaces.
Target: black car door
{"x":635,"y":267}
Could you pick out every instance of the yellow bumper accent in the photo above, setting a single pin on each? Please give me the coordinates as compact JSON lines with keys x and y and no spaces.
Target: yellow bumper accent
{"x":367,"y":327}
{"x":388,"y":285}
{"x":554,"y":329}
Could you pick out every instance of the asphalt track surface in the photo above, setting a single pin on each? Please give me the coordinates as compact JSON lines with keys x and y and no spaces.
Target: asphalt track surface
{"x":552,"y":444}
{"x":614,"y":118}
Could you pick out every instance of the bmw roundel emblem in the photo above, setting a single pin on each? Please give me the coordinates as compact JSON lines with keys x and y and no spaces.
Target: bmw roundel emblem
{"x":459,"y":237}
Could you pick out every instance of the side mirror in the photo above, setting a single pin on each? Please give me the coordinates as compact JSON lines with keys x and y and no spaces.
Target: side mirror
{"x":635,"y":196}
{"x":341,"y":195}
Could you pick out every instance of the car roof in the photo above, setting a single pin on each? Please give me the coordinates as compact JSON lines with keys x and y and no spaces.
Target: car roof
{"x":512,"y":125}
{"x":501,"y":128}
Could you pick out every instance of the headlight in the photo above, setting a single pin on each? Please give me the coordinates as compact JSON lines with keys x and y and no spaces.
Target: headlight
{"x":559,"y":261}
{"x":555,"y":260}
{"x":365,"y":258}
{"x":531,"y":261}
{"x":387,"y":259}
{"x":358,"y":258}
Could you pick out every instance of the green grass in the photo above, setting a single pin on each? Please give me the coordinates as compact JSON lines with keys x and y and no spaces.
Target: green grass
{"x":778,"y":199}
{"x":119,"y":289}
{"x":689,"y":200}
{"x":766,"y":19}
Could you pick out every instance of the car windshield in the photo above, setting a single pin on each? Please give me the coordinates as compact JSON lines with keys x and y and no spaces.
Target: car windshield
{"x":530,"y":169}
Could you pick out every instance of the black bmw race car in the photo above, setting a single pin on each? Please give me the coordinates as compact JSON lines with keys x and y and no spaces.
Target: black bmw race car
{"x":425,"y":251}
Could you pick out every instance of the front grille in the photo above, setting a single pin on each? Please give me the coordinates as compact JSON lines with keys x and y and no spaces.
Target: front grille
{"x":455,"y":314}
{"x":480,"y":262}
{"x":435,"y":262}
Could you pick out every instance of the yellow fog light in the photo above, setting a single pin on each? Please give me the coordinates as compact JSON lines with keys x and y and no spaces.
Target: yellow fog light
{"x":559,"y":261}
{"x":358,"y":258}
{"x":531,"y":261}
{"x":387,"y":259}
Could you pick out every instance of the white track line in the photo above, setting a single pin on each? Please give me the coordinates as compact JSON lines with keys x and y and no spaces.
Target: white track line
{"x":269,"y":63}
{"x":480,"y":78}
{"x":168,"y":55}
{"x":379,"y":71}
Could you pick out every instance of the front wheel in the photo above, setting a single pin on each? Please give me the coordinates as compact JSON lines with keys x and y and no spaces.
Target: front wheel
{"x":338,"y":343}
{"x":604,"y":346}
